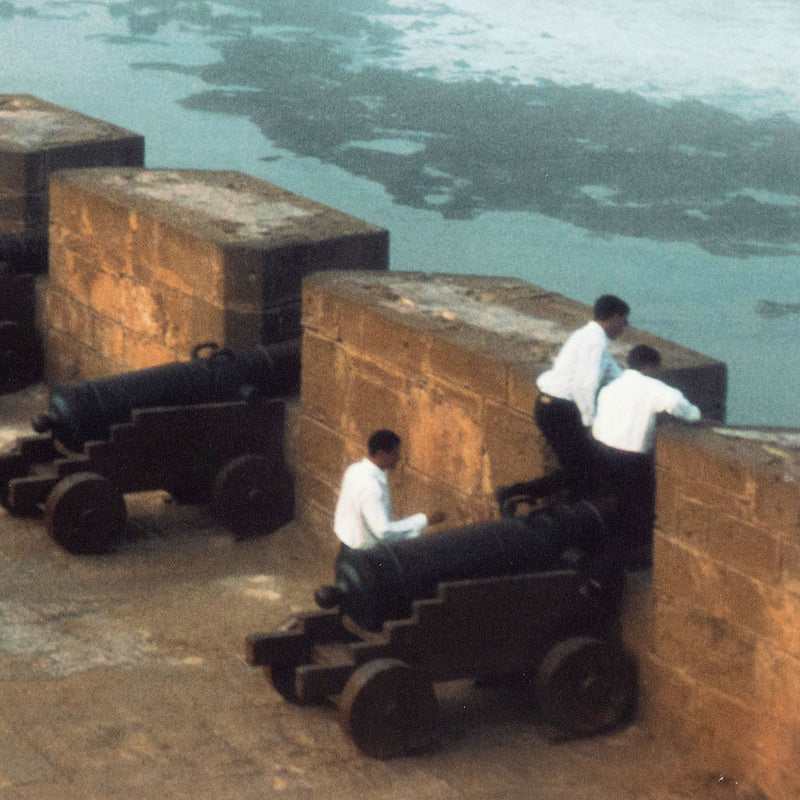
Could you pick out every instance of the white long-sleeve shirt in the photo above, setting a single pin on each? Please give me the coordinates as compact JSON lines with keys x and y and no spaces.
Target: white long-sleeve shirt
{"x":627,"y":408}
{"x":363,"y":514}
{"x":581,"y":367}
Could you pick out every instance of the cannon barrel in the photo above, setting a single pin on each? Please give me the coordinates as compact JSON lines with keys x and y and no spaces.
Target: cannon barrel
{"x":382,"y":582}
{"x":84,"y":411}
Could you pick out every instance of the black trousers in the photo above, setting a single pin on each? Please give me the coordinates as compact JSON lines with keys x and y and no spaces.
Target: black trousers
{"x":631,"y":478}
{"x":562,"y":426}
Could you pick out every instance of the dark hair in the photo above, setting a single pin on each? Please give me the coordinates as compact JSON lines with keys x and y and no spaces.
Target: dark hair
{"x":609,"y":305}
{"x":643,"y":356}
{"x":383,"y":441}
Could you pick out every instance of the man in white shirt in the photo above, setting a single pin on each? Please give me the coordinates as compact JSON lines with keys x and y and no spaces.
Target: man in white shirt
{"x":565,"y":407}
{"x":624,"y":429}
{"x":363,"y":514}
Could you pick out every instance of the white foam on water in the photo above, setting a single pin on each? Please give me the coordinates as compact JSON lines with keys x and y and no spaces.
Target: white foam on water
{"x":740,"y":56}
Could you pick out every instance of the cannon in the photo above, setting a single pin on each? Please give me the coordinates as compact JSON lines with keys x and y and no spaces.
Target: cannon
{"x":382,"y":582}
{"x":208,"y":429}
{"x":525,"y":603}
{"x":82,"y":412}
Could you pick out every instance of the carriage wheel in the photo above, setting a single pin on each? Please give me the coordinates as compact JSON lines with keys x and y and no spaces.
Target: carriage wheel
{"x":388,"y":709}
{"x":252,"y":496}
{"x":586,"y":686}
{"x":85,"y":514}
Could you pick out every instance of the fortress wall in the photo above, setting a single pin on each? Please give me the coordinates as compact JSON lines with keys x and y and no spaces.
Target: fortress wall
{"x":450,"y":363}
{"x":147,"y":264}
{"x":722,"y":672}
{"x":36,"y":139}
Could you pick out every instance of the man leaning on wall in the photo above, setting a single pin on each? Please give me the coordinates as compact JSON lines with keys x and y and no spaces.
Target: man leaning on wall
{"x":565,"y":406}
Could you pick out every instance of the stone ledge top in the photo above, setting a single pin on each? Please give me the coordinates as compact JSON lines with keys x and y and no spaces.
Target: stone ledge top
{"x":28,"y":124}
{"x":219,"y":205}
{"x":767,"y":449}
{"x":508,"y":319}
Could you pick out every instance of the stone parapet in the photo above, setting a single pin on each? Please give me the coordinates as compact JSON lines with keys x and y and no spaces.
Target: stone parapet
{"x":449,"y":362}
{"x":146,"y":264}
{"x":36,"y":139}
{"x":723,"y":672}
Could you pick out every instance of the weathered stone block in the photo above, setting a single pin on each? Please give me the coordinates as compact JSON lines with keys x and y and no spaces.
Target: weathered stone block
{"x":321,"y":451}
{"x":322,"y":379}
{"x":390,"y":341}
{"x":515,"y":449}
{"x":777,"y":755}
{"x":743,"y":547}
{"x":184,"y":256}
{"x":36,"y":139}
{"x":445,"y":437}
{"x":471,"y":363}
{"x":777,"y":680}
{"x":782,"y":622}
{"x":375,"y":398}
{"x":708,"y":648}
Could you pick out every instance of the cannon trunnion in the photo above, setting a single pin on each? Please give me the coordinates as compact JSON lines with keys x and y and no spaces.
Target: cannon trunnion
{"x":543,"y":629}
{"x":222,"y":443}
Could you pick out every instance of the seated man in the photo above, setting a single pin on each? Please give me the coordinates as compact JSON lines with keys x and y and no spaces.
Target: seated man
{"x":624,"y":429}
{"x":363,"y":514}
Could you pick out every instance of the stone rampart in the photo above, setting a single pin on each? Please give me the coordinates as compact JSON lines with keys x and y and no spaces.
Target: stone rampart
{"x":450,"y":362}
{"x":721,"y":672}
{"x":146,"y":264}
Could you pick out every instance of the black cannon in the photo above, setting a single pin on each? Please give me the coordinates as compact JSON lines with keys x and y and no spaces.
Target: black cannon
{"x":520,"y":603}
{"x":208,"y":429}
{"x":82,"y":412}
{"x":382,"y":582}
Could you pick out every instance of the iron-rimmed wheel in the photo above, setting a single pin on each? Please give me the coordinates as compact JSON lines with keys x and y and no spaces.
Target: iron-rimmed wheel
{"x":388,"y":709}
{"x":253,"y":496}
{"x":85,"y":514}
{"x":586,"y":685}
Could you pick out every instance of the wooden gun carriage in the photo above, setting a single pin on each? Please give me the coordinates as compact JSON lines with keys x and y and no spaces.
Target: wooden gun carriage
{"x":227,"y":451}
{"x":548,"y":633}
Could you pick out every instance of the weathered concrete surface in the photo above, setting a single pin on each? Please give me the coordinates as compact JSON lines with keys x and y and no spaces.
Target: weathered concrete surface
{"x":124,"y":677}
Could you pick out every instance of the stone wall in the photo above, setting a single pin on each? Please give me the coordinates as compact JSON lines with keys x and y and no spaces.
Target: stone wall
{"x":146,"y":264}
{"x":449,"y":362}
{"x":722,"y":669}
{"x":36,"y":139}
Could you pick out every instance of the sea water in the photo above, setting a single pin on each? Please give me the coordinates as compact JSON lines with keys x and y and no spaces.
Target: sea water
{"x":649,"y":148}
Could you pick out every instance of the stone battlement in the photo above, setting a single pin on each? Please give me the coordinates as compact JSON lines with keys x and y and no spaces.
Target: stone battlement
{"x":146,"y":264}
{"x":36,"y":139}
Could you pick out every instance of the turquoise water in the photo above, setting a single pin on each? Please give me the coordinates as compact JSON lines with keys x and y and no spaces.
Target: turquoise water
{"x":650,"y":149}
